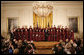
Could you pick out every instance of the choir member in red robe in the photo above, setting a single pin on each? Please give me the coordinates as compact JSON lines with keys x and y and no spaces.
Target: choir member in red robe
{"x":52,"y":35}
{"x":67,"y":34}
{"x":62,"y":28}
{"x":57,"y":37}
{"x":33,"y":35}
{"x":55,"y":27}
{"x":60,"y":35}
{"x":43,"y":35}
{"x":19,"y":34}
{"x":26,"y":34}
{"x":58,"y":28}
{"x":72,"y":35}
{"x":51,"y":28}
{"x":30,"y":33}
{"x":37,"y":35}
{"x":22,"y":35}
{"x":65,"y":29}
{"x":63,"y":35}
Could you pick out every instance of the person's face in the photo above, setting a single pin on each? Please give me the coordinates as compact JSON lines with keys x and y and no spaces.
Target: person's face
{"x":25,"y":40}
{"x":22,"y":26}
{"x":16,"y":42}
{"x":57,"y":30}
{"x":66,"y":40}
{"x":25,"y":29}
{"x":28,"y":41}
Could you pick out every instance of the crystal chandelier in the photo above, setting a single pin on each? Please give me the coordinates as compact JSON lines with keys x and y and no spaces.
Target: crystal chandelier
{"x":43,"y":8}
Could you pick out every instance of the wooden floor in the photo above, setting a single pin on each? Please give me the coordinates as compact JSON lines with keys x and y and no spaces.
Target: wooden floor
{"x":44,"y":47}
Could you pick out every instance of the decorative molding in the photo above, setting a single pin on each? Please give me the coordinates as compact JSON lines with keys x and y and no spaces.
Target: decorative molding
{"x":29,"y":3}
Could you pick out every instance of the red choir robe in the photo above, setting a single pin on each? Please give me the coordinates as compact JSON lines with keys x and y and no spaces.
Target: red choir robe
{"x":57,"y":36}
{"x":34,"y":35}
{"x":26,"y":35}
{"x":65,"y":30}
{"x":19,"y":35}
{"x":43,"y":36}
{"x":49,"y":36}
{"x":22,"y":35}
{"x":37,"y":36}
{"x":63,"y":35}
{"x":60,"y":33}
{"x":30,"y":33}
{"x":72,"y":35}
{"x":67,"y":34}
{"x":52,"y":36}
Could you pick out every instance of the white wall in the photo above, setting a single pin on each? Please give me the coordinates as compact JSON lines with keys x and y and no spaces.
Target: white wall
{"x":24,"y":12}
{"x":62,"y":13}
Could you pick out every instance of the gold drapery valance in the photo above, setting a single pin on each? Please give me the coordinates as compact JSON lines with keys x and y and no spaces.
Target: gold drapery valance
{"x":42,"y":22}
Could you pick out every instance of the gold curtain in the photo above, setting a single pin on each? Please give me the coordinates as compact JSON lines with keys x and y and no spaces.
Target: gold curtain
{"x":42,"y":22}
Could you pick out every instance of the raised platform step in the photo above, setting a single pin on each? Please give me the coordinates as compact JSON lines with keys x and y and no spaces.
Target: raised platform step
{"x":45,"y":45}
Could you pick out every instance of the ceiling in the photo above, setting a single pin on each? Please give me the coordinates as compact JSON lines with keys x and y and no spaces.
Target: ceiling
{"x":30,"y":2}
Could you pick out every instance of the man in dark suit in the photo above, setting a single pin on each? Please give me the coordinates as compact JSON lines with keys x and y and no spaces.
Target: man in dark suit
{"x":46,"y":34}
